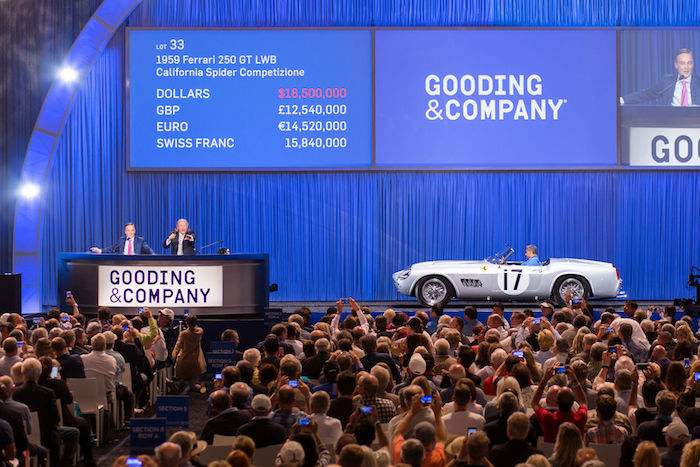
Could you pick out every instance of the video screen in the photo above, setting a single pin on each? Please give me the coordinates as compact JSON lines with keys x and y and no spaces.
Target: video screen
{"x":516,"y":98}
{"x":659,"y":98}
{"x":224,"y":99}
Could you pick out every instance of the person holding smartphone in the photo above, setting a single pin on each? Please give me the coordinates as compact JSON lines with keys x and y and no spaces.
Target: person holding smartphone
{"x":11,"y":356}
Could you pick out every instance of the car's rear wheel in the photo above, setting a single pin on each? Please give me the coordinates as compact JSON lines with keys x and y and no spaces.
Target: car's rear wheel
{"x":578,"y":286}
{"x":434,"y":289}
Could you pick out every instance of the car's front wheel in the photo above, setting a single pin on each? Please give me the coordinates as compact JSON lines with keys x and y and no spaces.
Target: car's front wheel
{"x":576,"y":285}
{"x":434,"y":289}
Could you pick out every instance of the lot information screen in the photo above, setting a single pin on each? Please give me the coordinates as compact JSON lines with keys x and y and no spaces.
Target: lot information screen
{"x":217,"y":99}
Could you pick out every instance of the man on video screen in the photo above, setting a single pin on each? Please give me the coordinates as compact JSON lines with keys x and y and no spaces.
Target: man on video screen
{"x":680,"y":89}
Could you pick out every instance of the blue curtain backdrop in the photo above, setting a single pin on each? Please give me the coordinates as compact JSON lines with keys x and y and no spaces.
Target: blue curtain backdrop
{"x":340,"y":234}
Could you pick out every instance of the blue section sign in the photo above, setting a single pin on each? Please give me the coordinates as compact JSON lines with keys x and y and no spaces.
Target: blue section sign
{"x":175,"y":409}
{"x":222,"y":354}
{"x":147,"y":434}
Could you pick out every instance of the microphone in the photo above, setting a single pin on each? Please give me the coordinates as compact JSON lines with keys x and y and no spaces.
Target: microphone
{"x":680,"y":78}
{"x":213,"y":243}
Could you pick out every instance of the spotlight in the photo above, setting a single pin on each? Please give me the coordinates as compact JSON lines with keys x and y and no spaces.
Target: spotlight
{"x":68,"y":75}
{"x":30,"y":190}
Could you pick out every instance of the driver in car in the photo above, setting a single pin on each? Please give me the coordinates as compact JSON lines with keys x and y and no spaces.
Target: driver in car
{"x":531,"y":254}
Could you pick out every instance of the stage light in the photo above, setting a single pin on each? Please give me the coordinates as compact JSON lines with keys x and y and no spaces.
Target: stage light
{"x":30,"y":190}
{"x":68,"y":75}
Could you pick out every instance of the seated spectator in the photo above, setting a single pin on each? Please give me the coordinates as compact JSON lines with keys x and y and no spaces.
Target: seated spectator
{"x":460,"y":420}
{"x":560,"y":352}
{"x":168,"y":454}
{"x":648,"y":412}
{"x":545,"y":339}
{"x":229,"y":376}
{"x":372,"y":357}
{"x":587,"y":344}
{"x":567,"y":445}
{"x":71,"y":365}
{"x":431,"y":435}
{"x":653,"y":430}
{"x":329,"y":428}
{"x":425,"y":414}
{"x":677,"y":436}
{"x":247,"y":373}
{"x":565,"y":399}
{"x":189,"y":446}
{"x":11,"y":356}
{"x":285,"y":414}
{"x":507,"y":384}
{"x":271,"y":351}
{"x":443,"y":360}
{"x":606,"y":432}
{"x":229,"y":418}
{"x":497,"y":430}
{"x":660,"y":356}
{"x":381,"y":372}
{"x":623,"y":386}
{"x":646,"y":455}
{"x":246,"y":445}
{"x":261,"y":429}
{"x":638,"y":351}
{"x":517,"y":449}
{"x":344,"y":405}
{"x":367,"y":387}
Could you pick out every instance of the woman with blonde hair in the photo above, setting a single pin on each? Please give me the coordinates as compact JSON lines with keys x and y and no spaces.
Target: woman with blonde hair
{"x":691,"y":454}
{"x":507,"y":384}
{"x":683,"y":333}
{"x":545,"y":339}
{"x":647,"y":455}
{"x":538,"y":460}
{"x":577,"y":346}
{"x":252,"y":356}
{"x":42,"y":348}
{"x":530,"y":363}
{"x":568,"y":443}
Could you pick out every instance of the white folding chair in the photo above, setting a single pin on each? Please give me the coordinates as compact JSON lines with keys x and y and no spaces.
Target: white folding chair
{"x":107,"y":400}
{"x":126,"y":381}
{"x":35,"y":438}
{"x":266,"y":456}
{"x":223,"y":440}
{"x":216,"y":453}
{"x":86,"y":395}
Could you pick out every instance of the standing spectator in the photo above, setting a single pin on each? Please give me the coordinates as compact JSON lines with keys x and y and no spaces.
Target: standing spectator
{"x":104,"y":315}
{"x":470,"y":321}
{"x":188,"y":356}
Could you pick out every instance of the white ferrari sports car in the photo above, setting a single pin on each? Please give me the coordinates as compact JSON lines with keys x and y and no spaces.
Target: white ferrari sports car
{"x":496,"y":278}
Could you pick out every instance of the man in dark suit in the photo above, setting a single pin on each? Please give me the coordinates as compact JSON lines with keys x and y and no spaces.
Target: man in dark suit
{"x":71,"y":365}
{"x":43,"y":400}
{"x":229,"y":419}
{"x":15,"y":421}
{"x":261,"y":429}
{"x":181,"y":240}
{"x":677,"y":89}
{"x":517,"y":449}
{"x":129,"y":244}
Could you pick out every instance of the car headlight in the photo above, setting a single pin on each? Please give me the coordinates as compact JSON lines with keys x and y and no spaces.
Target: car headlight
{"x":404,"y":274}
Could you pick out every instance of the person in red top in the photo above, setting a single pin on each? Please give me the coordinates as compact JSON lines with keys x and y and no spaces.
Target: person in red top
{"x":565,"y":400}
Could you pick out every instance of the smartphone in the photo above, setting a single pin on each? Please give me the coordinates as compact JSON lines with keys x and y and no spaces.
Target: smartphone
{"x":54,"y":372}
{"x":304,"y":421}
{"x":20,"y":344}
{"x":218,"y":376}
{"x":66,"y":319}
{"x":687,"y":362}
{"x":294,"y":383}
{"x":518,"y":353}
{"x":141,"y":310}
{"x":538,"y":320}
{"x":612,"y":349}
{"x":608,"y":329}
{"x":125,"y":328}
{"x":642,"y":366}
{"x":187,"y":312}
{"x":697,"y":376}
{"x":576,"y":301}
{"x":426,"y":400}
{"x":37,"y":320}
{"x":470,"y":432}
{"x":345,"y":300}
{"x":561,"y":369}
{"x":366,"y":410}
{"x":69,"y":294}
{"x":134,"y":462}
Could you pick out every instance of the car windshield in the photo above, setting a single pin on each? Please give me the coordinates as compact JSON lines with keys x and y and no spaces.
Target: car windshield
{"x":501,"y":256}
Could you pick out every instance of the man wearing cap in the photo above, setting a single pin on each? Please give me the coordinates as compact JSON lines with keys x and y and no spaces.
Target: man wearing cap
{"x":292,"y":453}
{"x":261,"y":429}
{"x":677,"y":435}
{"x":189,"y":446}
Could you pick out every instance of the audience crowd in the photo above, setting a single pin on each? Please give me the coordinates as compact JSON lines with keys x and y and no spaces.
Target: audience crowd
{"x":427,"y":390}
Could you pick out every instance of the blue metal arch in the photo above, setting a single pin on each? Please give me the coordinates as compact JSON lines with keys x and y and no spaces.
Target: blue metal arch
{"x":42,"y":145}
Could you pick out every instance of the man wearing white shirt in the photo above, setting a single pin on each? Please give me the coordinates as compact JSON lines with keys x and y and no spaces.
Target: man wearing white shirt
{"x":98,"y":364}
{"x":561,"y":354}
{"x":459,"y":421}
{"x":329,"y":428}
{"x":10,"y":358}
{"x":181,"y":240}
